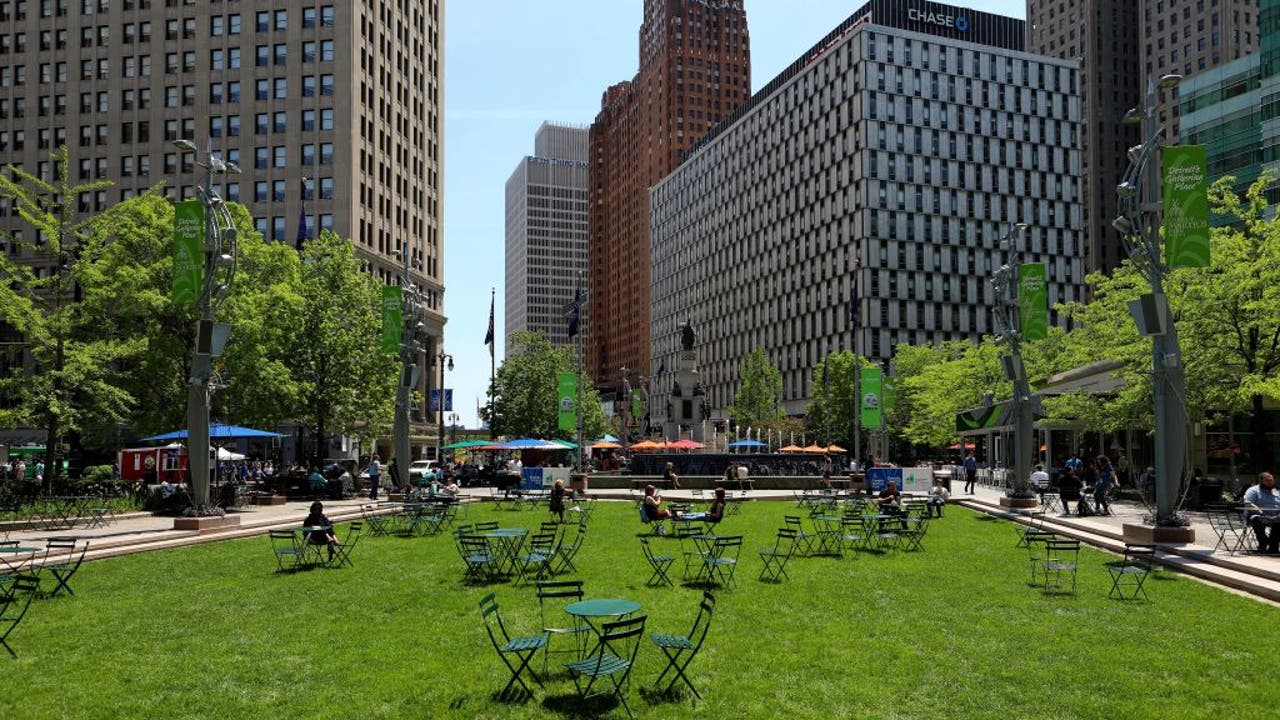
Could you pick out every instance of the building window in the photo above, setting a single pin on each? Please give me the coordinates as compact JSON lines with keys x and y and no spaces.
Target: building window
{"x":326,"y":51}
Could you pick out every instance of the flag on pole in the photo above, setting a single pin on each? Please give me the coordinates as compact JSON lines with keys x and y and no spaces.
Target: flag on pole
{"x":575,"y":312}
{"x":488,"y":336}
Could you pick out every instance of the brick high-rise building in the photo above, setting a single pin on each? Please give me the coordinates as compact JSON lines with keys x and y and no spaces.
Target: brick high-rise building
{"x":695,"y":70}
{"x":344,"y":94}
{"x":1121,"y":43}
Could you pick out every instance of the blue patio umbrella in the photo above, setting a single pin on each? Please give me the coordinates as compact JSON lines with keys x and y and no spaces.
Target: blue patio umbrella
{"x":216,"y":430}
{"x":606,"y":438}
{"x":532,"y":444}
{"x":747,"y":443}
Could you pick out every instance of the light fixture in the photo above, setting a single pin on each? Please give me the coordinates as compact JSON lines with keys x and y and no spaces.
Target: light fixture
{"x":1123,"y":224}
{"x":233,"y":168}
{"x":1170,"y":81}
{"x":1126,"y":189}
{"x":1135,"y":153}
{"x":185,"y":145}
{"x":1132,"y":117}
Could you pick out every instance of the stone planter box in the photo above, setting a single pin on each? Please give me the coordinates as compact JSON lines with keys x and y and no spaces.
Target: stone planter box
{"x":1018,"y":503}
{"x":269,"y":500}
{"x":204,"y":525}
{"x":1148,"y":535}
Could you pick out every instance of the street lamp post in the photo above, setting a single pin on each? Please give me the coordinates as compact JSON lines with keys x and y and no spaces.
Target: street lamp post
{"x":1007,"y":315}
{"x":1139,"y":224}
{"x":412,"y":334}
{"x":444,"y":360}
{"x":218,"y":272}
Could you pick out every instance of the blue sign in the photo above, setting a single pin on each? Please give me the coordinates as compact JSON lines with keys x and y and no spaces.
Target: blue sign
{"x":879,"y":477}
{"x":434,"y":401}
{"x":532,"y":479}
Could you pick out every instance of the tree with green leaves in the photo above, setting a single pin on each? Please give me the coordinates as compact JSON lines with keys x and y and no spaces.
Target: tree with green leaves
{"x":340,"y":382}
{"x":69,"y":376}
{"x":525,"y":400}
{"x":835,"y":393}
{"x":759,"y":397}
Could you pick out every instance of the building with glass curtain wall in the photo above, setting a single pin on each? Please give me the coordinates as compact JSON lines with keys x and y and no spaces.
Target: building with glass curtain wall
{"x":890,"y":156}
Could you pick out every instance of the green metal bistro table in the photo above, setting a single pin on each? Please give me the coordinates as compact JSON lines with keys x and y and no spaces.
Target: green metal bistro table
{"x":506,"y":544}
{"x":316,"y":549}
{"x":828,"y":530}
{"x":610,"y":608}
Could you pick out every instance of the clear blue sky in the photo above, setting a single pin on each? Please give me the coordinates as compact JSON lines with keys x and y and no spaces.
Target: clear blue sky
{"x":512,"y":64}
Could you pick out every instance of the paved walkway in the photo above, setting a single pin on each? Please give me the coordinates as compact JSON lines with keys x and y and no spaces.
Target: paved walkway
{"x":1252,"y":574}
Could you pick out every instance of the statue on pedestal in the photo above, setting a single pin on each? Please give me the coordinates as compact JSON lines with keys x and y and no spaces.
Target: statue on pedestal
{"x":686,"y":336}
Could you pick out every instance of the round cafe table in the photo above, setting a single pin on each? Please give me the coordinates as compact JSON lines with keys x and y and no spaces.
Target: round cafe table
{"x":612,"y":608}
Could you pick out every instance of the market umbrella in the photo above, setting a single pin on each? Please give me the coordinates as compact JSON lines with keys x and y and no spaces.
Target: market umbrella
{"x":464,"y":444}
{"x":813,"y":449}
{"x":835,"y":449}
{"x":565,"y":444}
{"x":791,"y":448}
{"x":685,"y":445}
{"x":217,"y":430}
{"x":605,"y":445}
{"x":647,"y":445}
{"x":607,"y":438}
{"x":748,"y":443}
{"x":225,"y":454}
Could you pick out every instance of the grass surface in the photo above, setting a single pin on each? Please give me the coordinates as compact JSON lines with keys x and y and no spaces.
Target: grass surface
{"x":952,"y":632}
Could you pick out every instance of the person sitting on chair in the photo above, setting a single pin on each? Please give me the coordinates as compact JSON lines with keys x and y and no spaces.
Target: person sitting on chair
{"x":715,"y":513}
{"x":652,"y":506}
{"x":671,"y":476}
{"x":889,"y":498}
{"x":938,"y":497}
{"x":317,"y":481}
{"x":1262,"y":511}
{"x":317,"y":519}
{"x":1040,"y":481}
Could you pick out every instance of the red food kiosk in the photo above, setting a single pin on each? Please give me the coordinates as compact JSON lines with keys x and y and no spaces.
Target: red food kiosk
{"x":167,"y":463}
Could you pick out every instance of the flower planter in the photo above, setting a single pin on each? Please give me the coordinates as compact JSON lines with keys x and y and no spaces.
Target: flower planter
{"x":1018,"y":503}
{"x":1148,"y":535}
{"x":269,"y":500}
{"x":204,"y":525}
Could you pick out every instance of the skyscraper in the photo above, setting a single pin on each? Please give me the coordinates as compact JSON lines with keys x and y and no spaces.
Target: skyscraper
{"x":546,"y":248}
{"x":695,"y":70}
{"x":331,"y":109}
{"x":1122,"y":43}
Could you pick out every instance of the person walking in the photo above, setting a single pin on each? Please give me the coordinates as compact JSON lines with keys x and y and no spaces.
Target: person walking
{"x":970,"y":472}
{"x":1103,"y":484}
{"x":375,"y":476}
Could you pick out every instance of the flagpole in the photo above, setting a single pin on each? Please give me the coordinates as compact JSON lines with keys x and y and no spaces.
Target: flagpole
{"x":493,"y":364}
{"x":577,"y":310}
{"x":854,"y":302}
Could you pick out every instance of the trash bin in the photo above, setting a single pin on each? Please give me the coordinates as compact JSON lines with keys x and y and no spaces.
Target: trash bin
{"x":578,"y":483}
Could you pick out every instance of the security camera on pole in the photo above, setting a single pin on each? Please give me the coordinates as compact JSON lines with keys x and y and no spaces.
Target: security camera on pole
{"x":1186,"y":245}
{"x":204,"y":267}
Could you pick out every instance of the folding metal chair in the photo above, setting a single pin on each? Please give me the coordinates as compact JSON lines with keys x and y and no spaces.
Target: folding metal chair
{"x":62,"y":569}
{"x":804,"y":539}
{"x":480,"y":564}
{"x":13,"y":607}
{"x":775,"y":558}
{"x":914,"y":531}
{"x":1035,"y":544}
{"x":722,"y":560}
{"x":286,"y":549}
{"x":612,"y":659}
{"x":658,"y":563}
{"x":682,"y":649}
{"x":1129,"y":575}
{"x":566,"y":554}
{"x":537,"y":557}
{"x":561,"y":591}
{"x":342,"y":550}
{"x":1062,"y":560}
{"x":378,"y":523}
{"x":522,"y":648}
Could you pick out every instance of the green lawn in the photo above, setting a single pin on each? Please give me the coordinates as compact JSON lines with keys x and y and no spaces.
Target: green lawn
{"x":953,"y":632}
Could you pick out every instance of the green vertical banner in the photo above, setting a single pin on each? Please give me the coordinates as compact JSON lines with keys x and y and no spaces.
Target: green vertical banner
{"x":392,"y":318}
{"x":637,"y":404}
{"x":567,"y":392}
{"x":1186,"y":207}
{"x":188,"y":251}
{"x":870,"y":393}
{"x":1033,"y":302}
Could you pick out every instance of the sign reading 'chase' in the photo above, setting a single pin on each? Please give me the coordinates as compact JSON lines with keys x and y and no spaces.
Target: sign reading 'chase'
{"x":959,"y":22}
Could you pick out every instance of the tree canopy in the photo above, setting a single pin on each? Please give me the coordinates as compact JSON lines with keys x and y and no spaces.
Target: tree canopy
{"x":759,"y":396}
{"x":525,"y":401}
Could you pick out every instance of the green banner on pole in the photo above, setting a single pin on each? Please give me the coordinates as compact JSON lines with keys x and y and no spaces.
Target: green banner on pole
{"x":1186,"y":207}
{"x":188,"y":251}
{"x":567,"y":392}
{"x":1033,"y":302}
{"x":392,"y":318}
{"x":870,"y":393}
{"x":637,"y":404}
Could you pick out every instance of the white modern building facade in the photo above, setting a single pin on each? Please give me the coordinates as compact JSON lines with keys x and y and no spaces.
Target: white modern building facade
{"x":546,"y":233}
{"x":884,"y":164}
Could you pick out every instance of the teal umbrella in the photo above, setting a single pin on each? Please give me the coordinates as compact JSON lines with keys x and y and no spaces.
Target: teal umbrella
{"x":462,"y":444}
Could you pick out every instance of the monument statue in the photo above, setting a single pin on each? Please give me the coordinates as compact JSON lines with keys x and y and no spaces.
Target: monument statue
{"x":686,"y":336}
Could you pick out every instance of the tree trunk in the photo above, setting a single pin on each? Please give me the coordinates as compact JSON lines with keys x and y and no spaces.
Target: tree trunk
{"x":1263,"y":457}
{"x":52,"y":425}
{"x":321,"y":439}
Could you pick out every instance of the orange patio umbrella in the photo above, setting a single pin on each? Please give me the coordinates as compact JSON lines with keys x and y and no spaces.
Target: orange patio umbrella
{"x":684,"y":445}
{"x":644,"y":445}
{"x":791,"y":448}
{"x":835,"y":449}
{"x":813,"y":449}
{"x":605,"y":445}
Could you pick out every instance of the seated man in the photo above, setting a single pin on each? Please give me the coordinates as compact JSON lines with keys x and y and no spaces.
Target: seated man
{"x":889,"y":499}
{"x":938,"y":497}
{"x":1262,"y":512}
{"x":1068,"y":490}
{"x":1040,"y":480}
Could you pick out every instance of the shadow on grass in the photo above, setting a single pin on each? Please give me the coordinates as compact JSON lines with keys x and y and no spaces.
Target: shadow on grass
{"x":670,"y":696}
{"x":573,"y":706}
{"x":987,"y":518}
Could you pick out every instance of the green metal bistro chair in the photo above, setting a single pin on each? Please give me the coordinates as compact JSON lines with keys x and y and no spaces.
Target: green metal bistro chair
{"x":1062,"y":560}
{"x":659,"y":564}
{"x":564,"y":559}
{"x":1034,"y":525}
{"x":13,"y":607}
{"x":722,"y":560}
{"x":805,"y":539}
{"x":481,"y":565}
{"x":379,"y":524}
{"x":914,"y":532}
{"x":522,"y":648}
{"x":1035,"y":544}
{"x":612,"y":659}
{"x":775,"y":558}
{"x":342,"y":550}
{"x":536,"y":560}
{"x":560,"y":592}
{"x":61,"y":567}
{"x":286,"y":549}
{"x":682,"y":649}
{"x":1129,"y":575}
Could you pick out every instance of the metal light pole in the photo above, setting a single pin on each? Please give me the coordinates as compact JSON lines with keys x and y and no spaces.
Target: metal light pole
{"x":1007,"y":314}
{"x":445,"y":360}
{"x":1139,"y":223}
{"x":855,"y":323}
{"x":218,"y":273}
{"x":412,"y":334}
